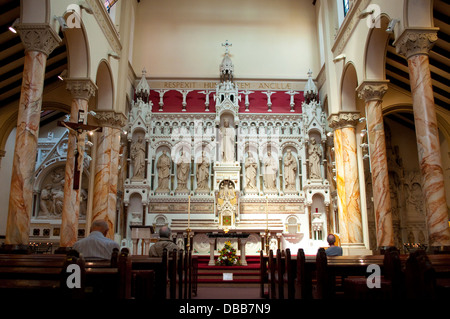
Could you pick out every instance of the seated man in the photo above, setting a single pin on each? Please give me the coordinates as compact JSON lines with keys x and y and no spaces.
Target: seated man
{"x":96,"y":245}
{"x":164,"y":241}
{"x":333,"y":250}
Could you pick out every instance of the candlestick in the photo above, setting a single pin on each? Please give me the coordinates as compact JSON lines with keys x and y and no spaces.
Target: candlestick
{"x":267,"y":226}
{"x":189,"y":211}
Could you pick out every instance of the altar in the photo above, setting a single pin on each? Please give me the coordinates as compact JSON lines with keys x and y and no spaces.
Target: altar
{"x":238,"y":241}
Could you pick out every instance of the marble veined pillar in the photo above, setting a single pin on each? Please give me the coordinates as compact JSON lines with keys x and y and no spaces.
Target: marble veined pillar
{"x":81,"y":90}
{"x":414,"y":44}
{"x":39,"y":42}
{"x":372,"y":93}
{"x":107,"y":168}
{"x":350,"y":222}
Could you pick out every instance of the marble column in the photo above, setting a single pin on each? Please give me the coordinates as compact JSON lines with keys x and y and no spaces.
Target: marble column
{"x":81,"y":90}
{"x":107,"y":168}
{"x":372,"y":93}
{"x":414,"y":45}
{"x":347,"y":180}
{"x":39,"y":41}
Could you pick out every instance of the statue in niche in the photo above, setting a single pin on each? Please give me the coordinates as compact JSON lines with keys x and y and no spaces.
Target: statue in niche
{"x":163,"y":167}
{"x":270,"y":172}
{"x":182,"y":172}
{"x":314,"y":153}
{"x":138,"y":156}
{"x":227,"y":142}
{"x":203,"y":173}
{"x":290,"y":170}
{"x":250,"y":172}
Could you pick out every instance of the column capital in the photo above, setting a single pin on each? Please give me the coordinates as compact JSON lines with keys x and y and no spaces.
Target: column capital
{"x":343,"y":119}
{"x":416,"y":41}
{"x":372,"y":90}
{"x":82,"y":88}
{"x":38,"y":37}
{"x":111,"y":119}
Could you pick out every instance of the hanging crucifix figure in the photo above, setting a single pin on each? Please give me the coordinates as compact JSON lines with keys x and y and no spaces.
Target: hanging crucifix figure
{"x":80,"y":130}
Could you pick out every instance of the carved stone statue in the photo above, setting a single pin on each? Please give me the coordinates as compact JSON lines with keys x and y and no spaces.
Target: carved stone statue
{"x":270,"y":172}
{"x":314,"y":153}
{"x":250,"y":172}
{"x":227,"y":142}
{"x":290,"y":171}
{"x":182,"y":172}
{"x":203,"y":174}
{"x":138,"y":156}
{"x":46,"y":201}
{"x":163,"y":167}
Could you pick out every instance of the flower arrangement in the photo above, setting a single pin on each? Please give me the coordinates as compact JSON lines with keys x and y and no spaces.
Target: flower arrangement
{"x":227,"y":256}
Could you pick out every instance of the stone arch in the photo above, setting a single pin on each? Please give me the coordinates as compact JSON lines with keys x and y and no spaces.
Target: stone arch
{"x":349,"y":83}
{"x":77,"y":44}
{"x":375,"y":53}
{"x":105,"y":86}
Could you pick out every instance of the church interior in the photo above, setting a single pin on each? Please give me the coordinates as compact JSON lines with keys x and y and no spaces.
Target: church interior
{"x":257,"y":126}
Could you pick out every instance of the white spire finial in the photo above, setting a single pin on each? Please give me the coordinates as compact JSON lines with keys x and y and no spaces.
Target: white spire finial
{"x":226,"y":45}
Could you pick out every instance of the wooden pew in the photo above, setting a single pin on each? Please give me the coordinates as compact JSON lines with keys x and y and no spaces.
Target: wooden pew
{"x":39,"y":276}
{"x":289,"y":276}
{"x":105,"y":278}
{"x":279,"y":275}
{"x":263,"y":274}
{"x":391,"y":280}
{"x":142,"y":267}
{"x":194,"y":276}
{"x":303,"y":278}
{"x":271,"y":276}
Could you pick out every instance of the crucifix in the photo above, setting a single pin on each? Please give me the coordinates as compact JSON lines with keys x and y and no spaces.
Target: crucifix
{"x":80,"y":130}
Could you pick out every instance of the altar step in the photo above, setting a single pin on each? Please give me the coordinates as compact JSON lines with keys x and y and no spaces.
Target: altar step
{"x":212,"y":276}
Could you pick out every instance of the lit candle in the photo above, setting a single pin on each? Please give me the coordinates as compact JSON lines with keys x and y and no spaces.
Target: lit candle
{"x":189,"y":211}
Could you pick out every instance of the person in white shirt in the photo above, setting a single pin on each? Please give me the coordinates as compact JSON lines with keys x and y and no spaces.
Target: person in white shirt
{"x":96,"y":245}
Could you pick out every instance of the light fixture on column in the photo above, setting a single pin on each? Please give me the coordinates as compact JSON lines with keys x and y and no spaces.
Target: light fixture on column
{"x":63,"y":75}
{"x":364,"y":145}
{"x":365,"y":13}
{"x":362,"y":119}
{"x":92,"y":113}
{"x":113,"y":55}
{"x":330,"y":134}
{"x":62,"y":22}
{"x":391,"y":26}
{"x":339,"y":57}
{"x":12,"y":28}
{"x":363,"y":132}
{"x":366,"y":157}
